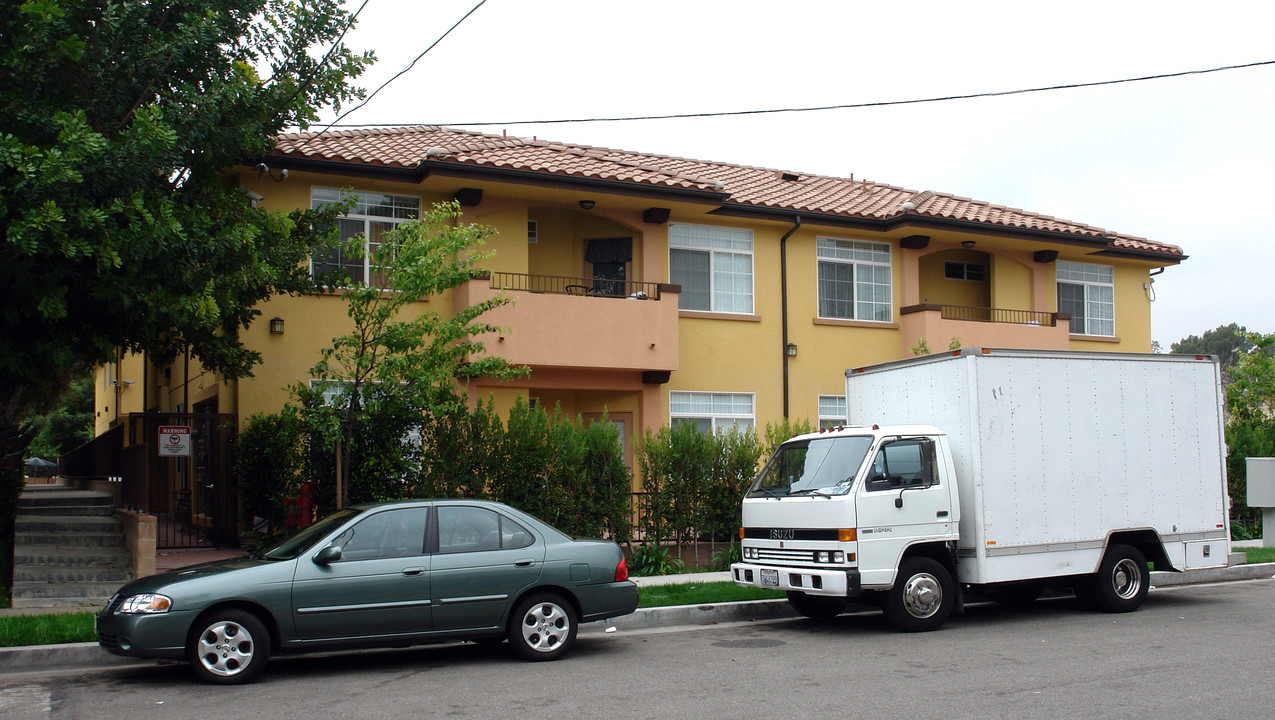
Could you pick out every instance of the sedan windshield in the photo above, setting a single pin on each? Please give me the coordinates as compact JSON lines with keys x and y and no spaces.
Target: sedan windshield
{"x":291,"y":547}
{"x":822,"y":466}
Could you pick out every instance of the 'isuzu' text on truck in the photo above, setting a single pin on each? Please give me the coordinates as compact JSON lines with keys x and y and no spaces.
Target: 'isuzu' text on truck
{"x":1032,"y":468}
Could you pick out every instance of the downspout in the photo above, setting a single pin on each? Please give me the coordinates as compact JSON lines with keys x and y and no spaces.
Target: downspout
{"x":783,"y":299}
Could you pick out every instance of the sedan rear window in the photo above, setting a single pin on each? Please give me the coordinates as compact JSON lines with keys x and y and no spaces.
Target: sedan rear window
{"x":471,"y":529}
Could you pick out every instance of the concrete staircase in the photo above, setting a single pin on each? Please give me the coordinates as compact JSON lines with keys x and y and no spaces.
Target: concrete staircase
{"x":69,"y":549}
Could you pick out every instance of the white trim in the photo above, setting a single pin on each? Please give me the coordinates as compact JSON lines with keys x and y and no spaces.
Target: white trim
{"x":848,"y":251}
{"x":718,"y":419}
{"x":398,"y":213}
{"x":833,"y":420}
{"x":1091,"y":278}
{"x":718,"y":242}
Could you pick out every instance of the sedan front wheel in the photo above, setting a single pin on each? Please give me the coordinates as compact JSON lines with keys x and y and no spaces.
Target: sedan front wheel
{"x":229,"y":647}
{"x":542,"y":627}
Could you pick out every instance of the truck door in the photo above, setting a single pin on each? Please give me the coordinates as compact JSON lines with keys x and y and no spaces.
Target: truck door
{"x":901,"y":501}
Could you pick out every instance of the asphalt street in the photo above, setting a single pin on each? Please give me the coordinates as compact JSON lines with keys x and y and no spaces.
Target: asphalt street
{"x":1191,"y":652}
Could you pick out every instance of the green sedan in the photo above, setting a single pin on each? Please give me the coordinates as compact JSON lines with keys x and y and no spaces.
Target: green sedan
{"x":390,"y":574}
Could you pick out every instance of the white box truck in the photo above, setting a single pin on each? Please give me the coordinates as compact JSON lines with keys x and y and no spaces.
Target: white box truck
{"x":997,"y":472}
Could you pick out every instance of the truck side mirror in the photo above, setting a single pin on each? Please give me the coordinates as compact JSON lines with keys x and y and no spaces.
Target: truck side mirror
{"x":898,"y":501}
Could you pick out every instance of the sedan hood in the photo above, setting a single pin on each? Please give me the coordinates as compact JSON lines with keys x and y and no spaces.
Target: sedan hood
{"x":239,"y":572}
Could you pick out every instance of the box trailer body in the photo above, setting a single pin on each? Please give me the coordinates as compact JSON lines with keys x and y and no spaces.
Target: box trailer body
{"x":1052,"y":465}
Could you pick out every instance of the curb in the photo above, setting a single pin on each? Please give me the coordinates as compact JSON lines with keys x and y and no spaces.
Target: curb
{"x":90,"y":656}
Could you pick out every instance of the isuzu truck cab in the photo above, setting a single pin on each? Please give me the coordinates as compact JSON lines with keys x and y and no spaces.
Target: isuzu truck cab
{"x":1034,"y":468}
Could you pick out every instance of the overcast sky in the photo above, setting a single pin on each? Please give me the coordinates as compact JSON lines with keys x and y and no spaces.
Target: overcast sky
{"x":1188,"y":161}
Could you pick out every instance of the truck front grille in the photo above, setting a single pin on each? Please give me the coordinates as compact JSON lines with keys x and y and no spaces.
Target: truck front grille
{"x":778,"y":555}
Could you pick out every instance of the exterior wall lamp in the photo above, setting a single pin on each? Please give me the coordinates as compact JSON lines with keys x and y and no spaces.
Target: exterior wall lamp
{"x":790,"y":349}
{"x":276,"y":326}
{"x":587,"y":204}
{"x":967,"y":244}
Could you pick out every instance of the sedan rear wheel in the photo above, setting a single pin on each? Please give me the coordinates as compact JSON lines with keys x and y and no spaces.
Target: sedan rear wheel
{"x":542,"y":627}
{"x":229,"y":647}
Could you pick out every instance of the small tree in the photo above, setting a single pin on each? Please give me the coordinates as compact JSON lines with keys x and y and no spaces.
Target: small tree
{"x":1228,"y":342}
{"x":414,"y":356}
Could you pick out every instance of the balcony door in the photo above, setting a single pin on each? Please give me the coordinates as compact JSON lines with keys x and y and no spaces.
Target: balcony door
{"x":606,"y":263}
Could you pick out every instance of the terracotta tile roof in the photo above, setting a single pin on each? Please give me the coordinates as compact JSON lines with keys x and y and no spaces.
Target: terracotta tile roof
{"x":739,"y":186}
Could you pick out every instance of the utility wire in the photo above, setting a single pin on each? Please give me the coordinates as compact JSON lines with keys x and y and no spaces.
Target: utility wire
{"x":397,"y":76}
{"x":885,"y":103}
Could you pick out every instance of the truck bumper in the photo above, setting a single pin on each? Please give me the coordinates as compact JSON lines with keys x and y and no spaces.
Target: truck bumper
{"x":842,"y":582}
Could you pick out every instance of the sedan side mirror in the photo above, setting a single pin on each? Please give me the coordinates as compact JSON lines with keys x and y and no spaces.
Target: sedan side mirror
{"x":327,"y":555}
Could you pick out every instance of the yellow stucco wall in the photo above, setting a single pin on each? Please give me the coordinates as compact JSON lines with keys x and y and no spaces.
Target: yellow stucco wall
{"x":715,"y":353}
{"x":1010,"y":284}
{"x":944,"y":291}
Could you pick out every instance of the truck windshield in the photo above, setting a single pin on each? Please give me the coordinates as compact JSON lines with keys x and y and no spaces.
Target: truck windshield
{"x":822,"y":466}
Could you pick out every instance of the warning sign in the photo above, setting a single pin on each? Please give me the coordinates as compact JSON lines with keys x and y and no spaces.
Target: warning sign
{"x":174,"y":441}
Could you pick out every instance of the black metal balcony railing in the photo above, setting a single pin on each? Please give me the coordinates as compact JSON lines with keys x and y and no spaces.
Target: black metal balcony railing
{"x":990,"y":315}
{"x":560,"y":285}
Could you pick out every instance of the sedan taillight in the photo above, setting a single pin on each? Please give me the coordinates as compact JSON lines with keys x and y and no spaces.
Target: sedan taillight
{"x":622,"y":571}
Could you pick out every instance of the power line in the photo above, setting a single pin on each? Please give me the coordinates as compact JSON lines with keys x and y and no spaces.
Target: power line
{"x":847,"y":106}
{"x":396,"y":76}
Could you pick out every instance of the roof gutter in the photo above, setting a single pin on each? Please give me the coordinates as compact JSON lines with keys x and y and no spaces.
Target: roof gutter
{"x":1100,"y":245}
{"x":783,"y":297}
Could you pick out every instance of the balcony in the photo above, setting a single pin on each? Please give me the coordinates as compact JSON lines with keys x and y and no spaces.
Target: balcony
{"x":569,"y":322}
{"x":982,"y":327}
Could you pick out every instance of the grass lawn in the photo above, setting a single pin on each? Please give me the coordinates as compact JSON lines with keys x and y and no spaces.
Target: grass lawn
{"x":19,"y":630}
{"x":701,"y":594}
{"x":1260,"y":555}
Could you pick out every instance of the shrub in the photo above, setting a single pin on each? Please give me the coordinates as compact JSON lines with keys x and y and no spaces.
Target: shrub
{"x":722,"y":559}
{"x":270,"y":463}
{"x":655,"y":559}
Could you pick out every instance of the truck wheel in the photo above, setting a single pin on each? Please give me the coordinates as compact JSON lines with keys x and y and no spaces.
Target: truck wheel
{"x":816,"y":607}
{"x":922,"y":596}
{"x":1122,"y":581}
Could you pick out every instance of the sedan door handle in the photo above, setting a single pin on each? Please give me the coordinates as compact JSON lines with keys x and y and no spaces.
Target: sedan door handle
{"x":525,"y":562}
{"x":413,"y":570}
{"x":942,"y":513}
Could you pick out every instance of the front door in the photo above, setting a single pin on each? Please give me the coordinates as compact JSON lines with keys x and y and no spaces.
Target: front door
{"x":902,"y":501}
{"x":380,"y":586}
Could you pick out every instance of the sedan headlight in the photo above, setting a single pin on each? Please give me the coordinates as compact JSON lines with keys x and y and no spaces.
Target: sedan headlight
{"x":145,"y":603}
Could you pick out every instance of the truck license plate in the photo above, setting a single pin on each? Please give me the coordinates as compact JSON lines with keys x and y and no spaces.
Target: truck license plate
{"x":770,"y":577}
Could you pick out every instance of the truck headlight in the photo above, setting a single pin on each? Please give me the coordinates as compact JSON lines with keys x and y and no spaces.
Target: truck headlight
{"x":146,"y":603}
{"x":838,"y":556}
{"x":823,"y":556}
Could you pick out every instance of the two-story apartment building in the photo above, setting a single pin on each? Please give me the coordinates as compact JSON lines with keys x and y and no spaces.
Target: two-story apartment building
{"x":665,"y":290}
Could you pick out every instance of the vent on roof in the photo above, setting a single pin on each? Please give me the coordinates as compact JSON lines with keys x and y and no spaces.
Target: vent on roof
{"x":789,"y":177}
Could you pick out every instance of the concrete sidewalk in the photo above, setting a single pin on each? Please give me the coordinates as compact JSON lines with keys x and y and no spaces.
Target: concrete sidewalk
{"x":89,"y":655}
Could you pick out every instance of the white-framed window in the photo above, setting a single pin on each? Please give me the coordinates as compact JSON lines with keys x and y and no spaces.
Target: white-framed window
{"x":1088,"y":292}
{"x":335,"y":392}
{"x":714,"y":266}
{"x":956,"y":270}
{"x":712,"y":411}
{"x":371,"y":219}
{"x":832,"y":411}
{"x":855,"y":280}
{"x":533,"y":232}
